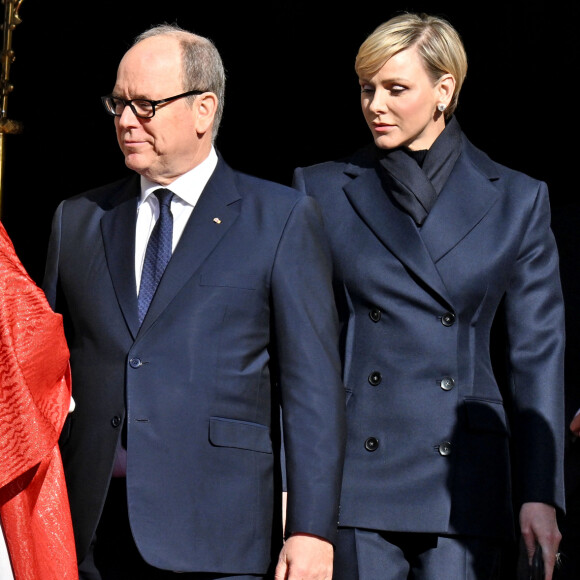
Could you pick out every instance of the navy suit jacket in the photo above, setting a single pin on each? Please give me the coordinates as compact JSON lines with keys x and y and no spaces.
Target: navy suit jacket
{"x":430,"y":426}
{"x":243,"y":321}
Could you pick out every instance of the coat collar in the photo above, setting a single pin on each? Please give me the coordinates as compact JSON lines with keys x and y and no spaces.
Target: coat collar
{"x":465,"y":199}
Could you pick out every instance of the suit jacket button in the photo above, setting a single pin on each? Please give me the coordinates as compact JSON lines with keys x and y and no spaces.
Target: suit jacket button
{"x":135,"y":363}
{"x":444,"y":448}
{"x":448,"y":319}
{"x":447,"y":383}
{"x":372,"y":444}
{"x":375,"y":378}
{"x":375,"y":314}
{"x":116,"y":421}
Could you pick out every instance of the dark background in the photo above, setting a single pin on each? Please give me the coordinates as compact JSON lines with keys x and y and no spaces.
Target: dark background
{"x":291,"y":96}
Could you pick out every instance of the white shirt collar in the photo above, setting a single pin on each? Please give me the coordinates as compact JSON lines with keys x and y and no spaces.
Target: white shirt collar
{"x":187,"y":187}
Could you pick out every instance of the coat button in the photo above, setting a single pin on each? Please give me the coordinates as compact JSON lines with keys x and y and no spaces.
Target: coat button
{"x":372,"y":444}
{"x":448,"y":319}
{"x":444,"y":448}
{"x":135,"y":363}
{"x":375,"y":378}
{"x":446,"y":383}
{"x":375,"y":314}
{"x":116,"y":421}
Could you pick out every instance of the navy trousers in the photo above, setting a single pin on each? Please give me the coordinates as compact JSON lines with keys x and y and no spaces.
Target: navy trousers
{"x":374,"y":555}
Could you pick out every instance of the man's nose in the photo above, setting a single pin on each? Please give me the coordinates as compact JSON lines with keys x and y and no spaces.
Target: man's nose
{"x":128,"y":116}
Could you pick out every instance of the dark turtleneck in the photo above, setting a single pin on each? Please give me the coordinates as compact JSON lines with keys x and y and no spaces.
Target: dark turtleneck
{"x":418,"y":156}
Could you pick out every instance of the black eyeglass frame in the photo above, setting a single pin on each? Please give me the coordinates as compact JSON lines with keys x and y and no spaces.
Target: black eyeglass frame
{"x":129,"y":102}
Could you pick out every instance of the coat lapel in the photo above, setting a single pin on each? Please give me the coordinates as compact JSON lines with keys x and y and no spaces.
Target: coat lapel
{"x":464,"y":201}
{"x":118,"y":231}
{"x":392,"y":226}
{"x":214,"y":214}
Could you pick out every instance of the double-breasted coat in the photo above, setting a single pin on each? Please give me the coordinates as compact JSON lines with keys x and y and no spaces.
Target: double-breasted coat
{"x":436,"y":442}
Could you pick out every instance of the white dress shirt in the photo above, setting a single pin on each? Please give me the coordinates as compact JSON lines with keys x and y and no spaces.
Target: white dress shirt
{"x":187,"y":189}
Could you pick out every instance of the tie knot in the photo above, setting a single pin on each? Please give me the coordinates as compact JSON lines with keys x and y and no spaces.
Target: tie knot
{"x":164,"y":196}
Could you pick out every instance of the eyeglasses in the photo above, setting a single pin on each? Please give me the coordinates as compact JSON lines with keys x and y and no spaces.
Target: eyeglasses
{"x":144,"y":108}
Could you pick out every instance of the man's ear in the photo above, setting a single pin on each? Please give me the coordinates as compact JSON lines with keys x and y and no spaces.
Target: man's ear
{"x":206,"y":107}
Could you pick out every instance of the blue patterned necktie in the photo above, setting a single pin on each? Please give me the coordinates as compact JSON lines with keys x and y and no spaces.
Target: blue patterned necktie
{"x":158,"y":252}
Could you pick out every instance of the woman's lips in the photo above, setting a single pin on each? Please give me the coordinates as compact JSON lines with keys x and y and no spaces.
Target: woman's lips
{"x":382,"y":127}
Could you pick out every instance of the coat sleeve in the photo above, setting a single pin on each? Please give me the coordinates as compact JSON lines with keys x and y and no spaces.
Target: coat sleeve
{"x":536,"y":337}
{"x":312,"y":393}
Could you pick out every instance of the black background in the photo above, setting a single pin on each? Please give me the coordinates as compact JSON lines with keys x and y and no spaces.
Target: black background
{"x":291,"y":95}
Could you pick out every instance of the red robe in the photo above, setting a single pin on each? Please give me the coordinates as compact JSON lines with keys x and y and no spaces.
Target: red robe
{"x":35,"y":393}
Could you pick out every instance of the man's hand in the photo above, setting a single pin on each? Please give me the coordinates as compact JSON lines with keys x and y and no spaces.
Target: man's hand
{"x":538,"y":525}
{"x":305,"y":557}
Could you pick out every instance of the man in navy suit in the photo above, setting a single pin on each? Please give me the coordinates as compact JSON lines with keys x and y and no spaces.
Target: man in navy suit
{"x":172,"y":454}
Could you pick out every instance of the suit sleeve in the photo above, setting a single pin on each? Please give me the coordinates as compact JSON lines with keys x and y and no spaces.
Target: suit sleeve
{"x":50,"y":281}
{"x":312,"y":393}
{"x":535,"y":330}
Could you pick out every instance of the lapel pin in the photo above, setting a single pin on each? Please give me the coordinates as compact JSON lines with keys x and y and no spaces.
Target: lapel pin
{"x":217,"y":220}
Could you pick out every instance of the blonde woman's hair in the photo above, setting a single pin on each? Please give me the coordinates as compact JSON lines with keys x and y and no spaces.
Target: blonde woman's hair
{"x":438,"y":43}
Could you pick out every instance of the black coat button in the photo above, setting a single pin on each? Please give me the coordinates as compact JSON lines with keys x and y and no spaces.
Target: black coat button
{"x":448,"y":319}
{"x":372,"y":444}
{"x":444,"y":448}
{"x":135,"y":363}
{"x":375,"y":378}
{"x":116,"y":421}
{"x":446,"y":383}
{"x":375,"y":314}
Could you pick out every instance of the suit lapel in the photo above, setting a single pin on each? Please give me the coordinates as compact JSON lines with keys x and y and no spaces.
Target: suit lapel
{"x":118,"y":231}
{"x":214,"y":214}
{"x":392,"y":226}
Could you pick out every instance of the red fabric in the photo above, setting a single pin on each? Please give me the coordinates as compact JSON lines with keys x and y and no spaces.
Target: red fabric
{"x":34,"y":401}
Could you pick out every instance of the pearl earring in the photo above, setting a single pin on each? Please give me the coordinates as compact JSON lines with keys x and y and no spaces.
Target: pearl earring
{"x":441,"y":107}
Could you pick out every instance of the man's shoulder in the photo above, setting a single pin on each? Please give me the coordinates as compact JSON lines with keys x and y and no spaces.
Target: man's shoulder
{"x":252,"y":186}
{"x":259,"y":185}
{"x":106,"y":196}
{"x":112,"y":189}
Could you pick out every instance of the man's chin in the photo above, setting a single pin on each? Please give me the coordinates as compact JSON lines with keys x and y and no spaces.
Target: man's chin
{"x":136,"y":163}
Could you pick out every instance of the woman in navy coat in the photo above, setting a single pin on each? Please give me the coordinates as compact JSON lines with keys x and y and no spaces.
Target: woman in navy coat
{"x":433,"y":244}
